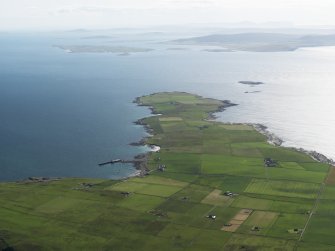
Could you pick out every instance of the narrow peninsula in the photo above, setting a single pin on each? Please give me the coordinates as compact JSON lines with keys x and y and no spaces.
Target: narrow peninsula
{"x":211,"y":186}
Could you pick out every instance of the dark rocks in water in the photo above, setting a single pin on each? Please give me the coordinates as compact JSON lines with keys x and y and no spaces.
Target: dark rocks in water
{"x":252,"y":83}
{"x":226,"y":103}
{"x":317,"y":156}
{"x":253,"y":92}
{"x":272,"y":138}
{"x":38,"y":179}
{"x":221,"y":108}
{"x":142,"y":142}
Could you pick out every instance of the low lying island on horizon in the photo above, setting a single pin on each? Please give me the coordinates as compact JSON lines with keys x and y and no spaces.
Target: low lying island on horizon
{"x":259,"y":42}
{"x":250,"y":83}
{"x":211,"y":186}
{"x":121,"y":50}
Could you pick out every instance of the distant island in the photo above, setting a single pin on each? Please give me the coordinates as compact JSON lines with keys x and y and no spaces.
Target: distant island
{"x":260,"y":42}
{"x":101,"y":49}
{"x":252,"y":92}
{"x":251,"y":83}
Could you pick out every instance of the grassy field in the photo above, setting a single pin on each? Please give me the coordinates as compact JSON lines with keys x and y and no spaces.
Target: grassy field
{"x":287,"y":207}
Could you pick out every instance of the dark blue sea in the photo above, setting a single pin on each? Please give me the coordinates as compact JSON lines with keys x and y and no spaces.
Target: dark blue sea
{"x":63,"y":113}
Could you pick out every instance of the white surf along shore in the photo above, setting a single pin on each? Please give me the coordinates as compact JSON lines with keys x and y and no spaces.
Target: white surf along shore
{"x":271,"y":137}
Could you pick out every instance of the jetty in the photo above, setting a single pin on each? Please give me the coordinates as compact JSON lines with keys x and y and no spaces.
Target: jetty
{"x":115,"y":161}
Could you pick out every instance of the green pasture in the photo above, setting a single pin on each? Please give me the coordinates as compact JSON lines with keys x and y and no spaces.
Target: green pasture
{"x":274,"y":204}
{"x":225,"y":164}
{"x":235,"y":184}
{"x":263,"y":220}
{"x":286,"y":222}
{"x":169,"y":210}
{"x":283,"y":188}
{"x":146,"y":188}
{"x":320,"y":230}
{"x":250,"y":242}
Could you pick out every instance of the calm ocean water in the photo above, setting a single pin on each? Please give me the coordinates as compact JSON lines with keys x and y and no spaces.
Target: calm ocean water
{"x":62,"y":113}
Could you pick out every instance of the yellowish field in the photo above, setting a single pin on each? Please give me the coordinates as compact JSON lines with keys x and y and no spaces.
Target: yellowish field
{"x":216,"y":198}
{"x":238,"y":220}
{"x":331,"y":177}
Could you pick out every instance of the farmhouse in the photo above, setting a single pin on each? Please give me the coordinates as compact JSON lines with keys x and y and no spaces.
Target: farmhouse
{"x":213,"y":217}
{"x":161,"y":168}
{"x":268,"y":162}
{"x":255,"y":228}
{"x":228,"y":193}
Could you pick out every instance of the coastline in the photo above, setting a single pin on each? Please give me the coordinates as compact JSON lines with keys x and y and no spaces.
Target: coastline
{"x":208,"y":177}
{"x":272,"y":138}
{"x":142,"y":166}
{"x":277,"y":141}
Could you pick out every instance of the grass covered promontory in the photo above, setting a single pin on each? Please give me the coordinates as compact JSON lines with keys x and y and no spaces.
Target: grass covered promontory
{"x":212,"y":186}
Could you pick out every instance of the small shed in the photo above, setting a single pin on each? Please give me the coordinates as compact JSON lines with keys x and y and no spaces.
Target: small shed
{"x":211,"y":216}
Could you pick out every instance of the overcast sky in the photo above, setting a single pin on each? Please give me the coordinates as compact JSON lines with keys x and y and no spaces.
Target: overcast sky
{"x":71,"y":14}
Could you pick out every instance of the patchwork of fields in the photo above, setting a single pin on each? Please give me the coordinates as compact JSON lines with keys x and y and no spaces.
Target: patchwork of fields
{"x":215,"y":193}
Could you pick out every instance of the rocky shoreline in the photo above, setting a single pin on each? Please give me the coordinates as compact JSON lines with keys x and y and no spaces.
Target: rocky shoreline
{"x":142,"y":166}
{"x":271,"y":137}
{"x":225,"y":104}
{"x":275,"y":140}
